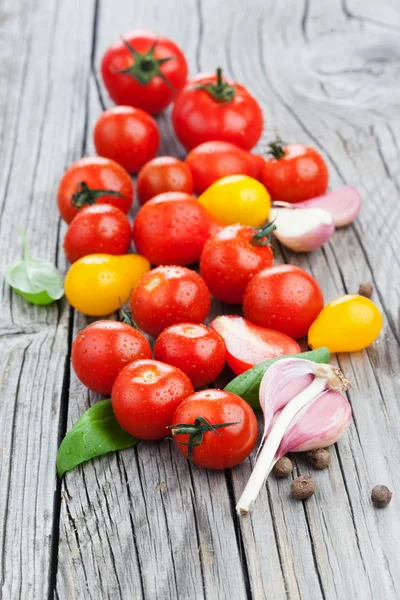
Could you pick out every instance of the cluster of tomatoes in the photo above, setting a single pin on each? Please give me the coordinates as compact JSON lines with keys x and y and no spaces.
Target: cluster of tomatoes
{"x":219,"y":121}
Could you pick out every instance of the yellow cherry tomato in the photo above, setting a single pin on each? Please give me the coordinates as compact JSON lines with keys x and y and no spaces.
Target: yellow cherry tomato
{"x":96,"y":284}
{"x":346,"y":324}
{"x":237,"y":199}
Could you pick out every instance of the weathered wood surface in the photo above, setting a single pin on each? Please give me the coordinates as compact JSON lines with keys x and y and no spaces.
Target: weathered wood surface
{"x":144,"y":523}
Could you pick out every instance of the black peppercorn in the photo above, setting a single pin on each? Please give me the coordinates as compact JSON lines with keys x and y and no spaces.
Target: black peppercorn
{"x":302,"y":487}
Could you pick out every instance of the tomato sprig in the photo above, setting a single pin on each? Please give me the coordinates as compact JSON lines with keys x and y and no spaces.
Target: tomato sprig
{"x":277,"y":148}
{"x":126,"y":316}
{"x":196,"y":432}
{"x":146,"y":65}
{"x":262,"y":235}
{"x":86,"y":196}
{"x":220,"y":91}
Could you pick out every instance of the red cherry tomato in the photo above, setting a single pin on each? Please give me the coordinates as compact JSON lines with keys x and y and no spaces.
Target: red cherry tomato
{"x":284,"y":298}
{"x":247,"y":344}
{"x":144,"y":70}
{"x":102,"y":349}
{"x":127,"y":135}
{"x":163,"y":174}
{"x":294,"y":173}
{"x":231,"y":258}
{"x":169,"y":295}
{"x":198,"y":351}
{"x":212,"y":108}
{"x":97,"y":229}
{"x":172,"y":228}
{"x":93,"y":180}
{"x":234,"y":421}
{"x":145,"y":396}
{"x":213,"y":160}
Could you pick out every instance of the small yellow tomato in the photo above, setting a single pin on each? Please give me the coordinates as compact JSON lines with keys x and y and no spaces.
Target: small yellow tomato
{"x":96,"y":284}
{"x":346,"y":324}
{"x":237,"y":199}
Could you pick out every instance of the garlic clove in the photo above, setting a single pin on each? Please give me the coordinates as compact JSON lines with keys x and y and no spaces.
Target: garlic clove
{"x":282,"y":385}
{"x":317,"y":425}
{"x":343,"y":204}
{"x":302,"y":230}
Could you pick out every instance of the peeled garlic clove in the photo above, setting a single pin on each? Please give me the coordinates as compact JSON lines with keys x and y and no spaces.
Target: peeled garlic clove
{"x":302,"y":230}
{"x":343,"y":204}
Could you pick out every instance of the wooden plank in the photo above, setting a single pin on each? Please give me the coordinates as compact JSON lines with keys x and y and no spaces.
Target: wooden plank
{"x":303,"y":549}
{"x":175,"y":525}
{"x":41,"y":124}
{"x":343,"y":526}
{"x":144,"y":523}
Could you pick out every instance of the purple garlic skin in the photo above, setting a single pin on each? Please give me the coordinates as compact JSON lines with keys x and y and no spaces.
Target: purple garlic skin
{"x":317,"y":425}
{"x":276,"y":392}
{"x":343,"y":204}
{"x":302,"y":229}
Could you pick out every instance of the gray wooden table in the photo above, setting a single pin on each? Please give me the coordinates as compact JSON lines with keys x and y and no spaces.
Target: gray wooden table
{"x":144,"y":523}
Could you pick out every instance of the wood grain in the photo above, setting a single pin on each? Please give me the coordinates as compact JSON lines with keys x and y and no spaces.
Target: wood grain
{"x":143,"y":523}
{"x":41,"y":124}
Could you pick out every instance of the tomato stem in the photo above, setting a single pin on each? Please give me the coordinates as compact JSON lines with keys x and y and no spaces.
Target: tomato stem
{"x":277,"y":148}
{"x":220,"y":91}
{"x":219,"y":77}
{"x":145,"y":66}
{"x":262,"y":235}
{"x":126,"y":316}
{"x":196,"y":432}
{"x":85,"y":196}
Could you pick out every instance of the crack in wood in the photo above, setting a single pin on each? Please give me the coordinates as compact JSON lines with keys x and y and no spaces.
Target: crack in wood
{"x":200,"y":34}
{"x":64,"y":402}
{"x":238,"y":534}
{"x":121,"y":466}
{"x":278,"y":545}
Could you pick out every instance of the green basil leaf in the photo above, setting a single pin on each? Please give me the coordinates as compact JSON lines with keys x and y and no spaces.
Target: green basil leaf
{"x":247,"y":385}
{"x":37,"y":280}
{"x":95,"y":433}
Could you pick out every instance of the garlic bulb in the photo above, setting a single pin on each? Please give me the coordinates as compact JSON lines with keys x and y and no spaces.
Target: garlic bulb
{"x":304,"y":408}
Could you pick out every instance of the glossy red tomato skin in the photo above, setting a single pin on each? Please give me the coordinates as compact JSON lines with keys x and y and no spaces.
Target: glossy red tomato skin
{"x":198,"y":118}
{"x":145,"y":396}
{"x":100,"y":228}
{"x":163,"y":174}
{"x":172,"y":228}
{"x":127,"y":135}
{"x":229,"y":260}
{"x":248,"y":344}
{"x":234,"y":443}
{"x":156,"y":95}
{"x":285,"y":298}
{"x":213,"y":160}
{"x":102,"y":349}
{"x":198,"y":351}
{"x":300,"y":175}
{"x":169,"y":295}
{"x":98,"y":173}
